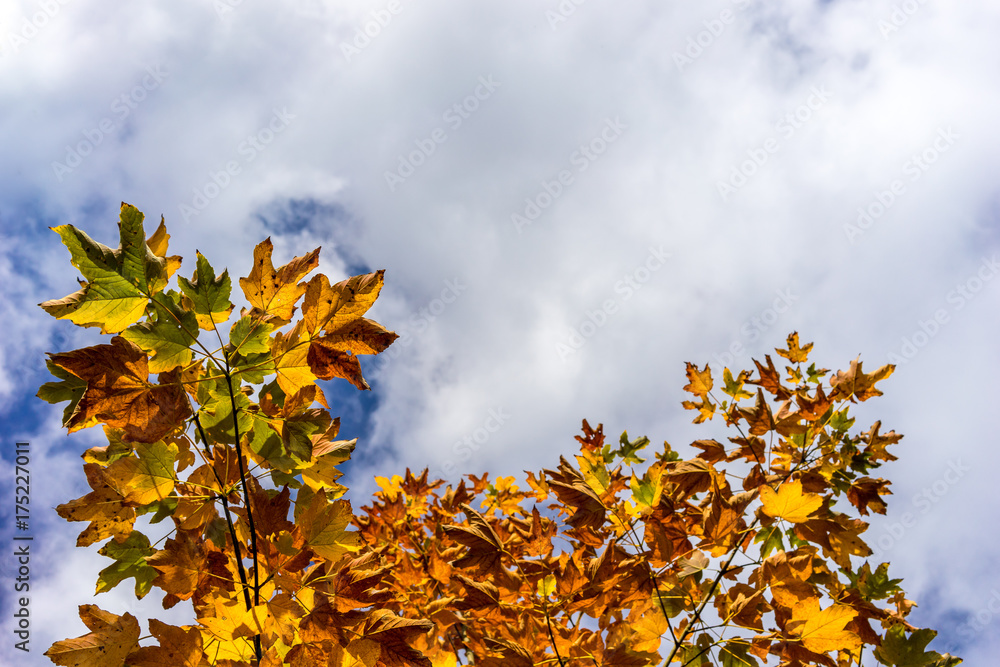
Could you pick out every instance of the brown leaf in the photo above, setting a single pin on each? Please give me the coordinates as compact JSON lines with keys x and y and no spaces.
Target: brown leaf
{"x":119,"y":392}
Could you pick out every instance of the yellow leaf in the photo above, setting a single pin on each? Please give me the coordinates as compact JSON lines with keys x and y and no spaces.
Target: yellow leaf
{"x":275,"y":291}
{"x":823,"y":631}
{"x":146,"y":477}
{"x":290,"y":362}
{"x":110,"y":640}
{"x":789,"y":503}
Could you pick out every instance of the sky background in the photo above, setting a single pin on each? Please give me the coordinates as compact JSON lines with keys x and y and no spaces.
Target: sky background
{"x":570,"y":201}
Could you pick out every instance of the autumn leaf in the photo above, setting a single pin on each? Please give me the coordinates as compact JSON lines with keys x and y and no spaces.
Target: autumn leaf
{"x":208,"y":295}
{"x":854,"y":383}
{"x":167,"y":336}
{"x":699,"y":382}
{"x":824,"y":631}
{"x":324,"y":526}
{"x":146,"y":477}
{"x":119,"y":392}
{"x":103,"y":507}
{"x":110,"y":640}
{"x":119,"y":283}
{"x":393,"y":634}
{"x":179,"y":647}
{"x":789,"y":502}
{"x":290,"y":351}
{"x":795,"y":353}
{"x":274,"y":292}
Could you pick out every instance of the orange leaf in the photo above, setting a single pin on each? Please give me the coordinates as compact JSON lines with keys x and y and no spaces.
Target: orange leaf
{"x":274,"y":292}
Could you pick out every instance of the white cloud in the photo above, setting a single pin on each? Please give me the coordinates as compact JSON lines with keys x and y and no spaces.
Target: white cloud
{"x":495,"y":345}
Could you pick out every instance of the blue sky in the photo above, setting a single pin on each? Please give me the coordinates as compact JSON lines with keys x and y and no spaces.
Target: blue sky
{"x":570,"y":200}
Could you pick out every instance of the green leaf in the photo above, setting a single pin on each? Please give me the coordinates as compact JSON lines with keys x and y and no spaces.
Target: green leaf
{"x":898,"y":650}
{"x":873,"y":585}
{"x":734,"y":387}
{"x":217,"y":408}
{"x":736,"y":654}
{"x":250,"y":350}
{"x":840,"y":421}
{"x":250,"y":336}
{"x":770,"y":540}
{"x":70,"y":388}
{"x":628,"y":449}
{"x":118,"y":282}
{"x":167,"y":336}
{"x":130,"y":561}
{"x":209,"y":296}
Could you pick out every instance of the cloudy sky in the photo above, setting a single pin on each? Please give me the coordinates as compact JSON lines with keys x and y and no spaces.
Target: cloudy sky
{"x":569,"y":199}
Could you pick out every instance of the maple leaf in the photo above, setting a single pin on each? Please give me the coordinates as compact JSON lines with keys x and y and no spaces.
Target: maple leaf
{"x":146,"y":477}
{"x":392,"y":634}
{"x":295,"y":370}
{"x":795,"y":353}
{"x":119,"y":283}
{"x":324,"y":526}
{"x":899,"y":650}
{"x":69,"y":388}
{"x":130,"y":561}
{"x":485,"y":548}
{"x":854,"y":383}
{"x":119,"y":392}
{"x":273,"y":293}
{"x":770,"y":380}
{"x":790,"y":503}
{"x":824,"y":631}
{"x":167,"y":336}
{"x":110,"y":640}
{"x":700,"y":382}
{"x":734,"y":387}
{"x":208,"y":295}
{"x":179,"y":647}
{"x":104,"y":508}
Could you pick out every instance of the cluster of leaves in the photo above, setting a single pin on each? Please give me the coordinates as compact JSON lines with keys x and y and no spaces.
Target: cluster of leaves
{"x":657,"y":562}
{"x":666,"y":563}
